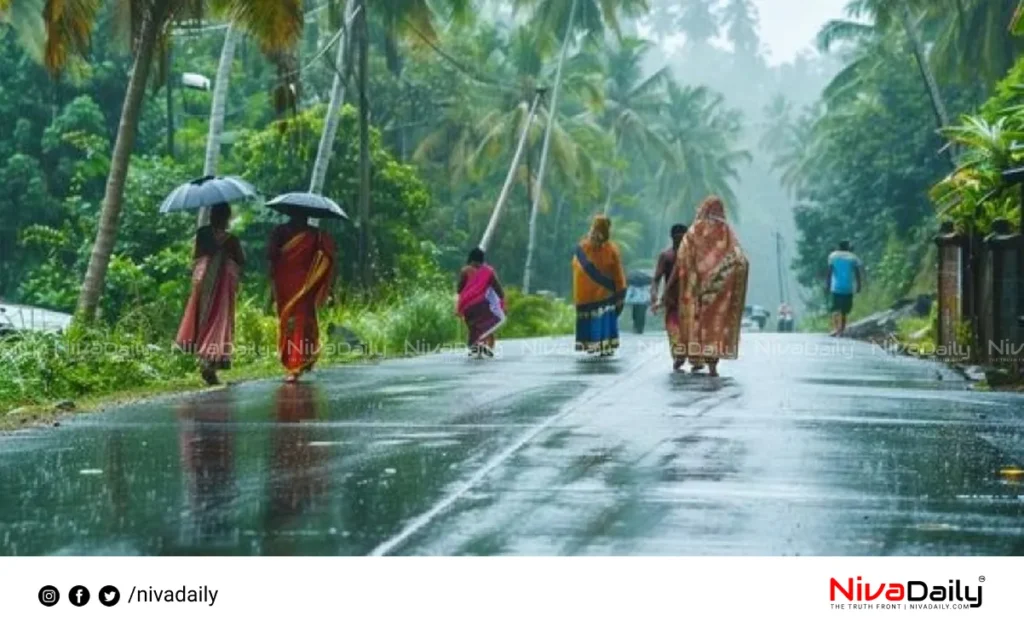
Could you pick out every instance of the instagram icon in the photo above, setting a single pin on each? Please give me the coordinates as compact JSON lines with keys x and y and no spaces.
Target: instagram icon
{"x":49,"y":596}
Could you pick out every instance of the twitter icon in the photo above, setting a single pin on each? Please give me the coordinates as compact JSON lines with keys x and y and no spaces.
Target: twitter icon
{"x":109,"y":596}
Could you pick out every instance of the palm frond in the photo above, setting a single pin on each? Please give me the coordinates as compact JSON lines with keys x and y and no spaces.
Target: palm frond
{"x":843,"y":31}
{"x":849,"y":78}
{"x":1017,"y":23}
{"x":275,"y":24}
{"x":25,"y":17}
{"x":69,"y":25}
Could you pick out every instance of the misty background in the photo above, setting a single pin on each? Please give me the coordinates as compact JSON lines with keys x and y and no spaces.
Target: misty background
{"x":777,"y":55}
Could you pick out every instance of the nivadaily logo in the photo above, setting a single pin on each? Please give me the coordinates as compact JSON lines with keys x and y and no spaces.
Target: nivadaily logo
{"x":914,"y":594}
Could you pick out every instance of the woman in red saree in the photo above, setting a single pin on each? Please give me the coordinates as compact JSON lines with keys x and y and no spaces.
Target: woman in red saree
{"x":712,"y":272}
{"x":481,"y":303}
{"x":208,"y":327}
{"x":302,"y":265}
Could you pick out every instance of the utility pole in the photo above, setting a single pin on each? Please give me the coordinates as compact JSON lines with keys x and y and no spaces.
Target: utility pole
{"x":485,"y":241}
{"x":365,"y":171}
{"x":531,"y":244}
{"x":778,"y":261}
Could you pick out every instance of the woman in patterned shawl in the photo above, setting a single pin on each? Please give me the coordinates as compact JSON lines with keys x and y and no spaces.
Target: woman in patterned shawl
{"x":712,"y":273}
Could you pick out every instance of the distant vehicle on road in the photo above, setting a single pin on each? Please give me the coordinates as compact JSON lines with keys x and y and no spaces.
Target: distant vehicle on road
{"x":786,"y":321}
{"x":757,"y":314}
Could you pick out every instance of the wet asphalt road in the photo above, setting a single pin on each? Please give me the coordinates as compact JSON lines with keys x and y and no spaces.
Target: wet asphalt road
{"x":805,"y":446}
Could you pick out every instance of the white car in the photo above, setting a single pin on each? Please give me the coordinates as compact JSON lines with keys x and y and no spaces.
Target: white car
{"x":749,"y":325}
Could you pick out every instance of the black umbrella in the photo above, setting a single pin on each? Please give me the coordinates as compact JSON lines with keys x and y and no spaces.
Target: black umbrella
{"x":206,"y":192}
{"x":640,"y":278}
{"x":307,"y":204}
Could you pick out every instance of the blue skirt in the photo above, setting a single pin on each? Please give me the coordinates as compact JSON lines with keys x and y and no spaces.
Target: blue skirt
{"x":597,"y":328}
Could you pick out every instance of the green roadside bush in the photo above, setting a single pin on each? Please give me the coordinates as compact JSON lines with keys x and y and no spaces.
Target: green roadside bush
{"x":41,"y":367}
{"x":533,"y":315}
{"x":137,"y":353}
{"x":398,"y":324}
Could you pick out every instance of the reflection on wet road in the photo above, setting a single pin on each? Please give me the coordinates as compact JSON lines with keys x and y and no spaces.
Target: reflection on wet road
{"x":805,"y":446}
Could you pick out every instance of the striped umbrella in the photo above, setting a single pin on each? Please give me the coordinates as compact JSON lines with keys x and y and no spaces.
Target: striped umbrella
{"x":206,"y":192}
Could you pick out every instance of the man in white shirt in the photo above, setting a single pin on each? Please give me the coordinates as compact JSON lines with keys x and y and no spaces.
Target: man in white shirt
{"x":639,"y":297}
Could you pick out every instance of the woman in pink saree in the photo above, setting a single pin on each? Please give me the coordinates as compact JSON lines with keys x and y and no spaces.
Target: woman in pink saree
{"x":481,"y":303}
{"x":208,"y":327}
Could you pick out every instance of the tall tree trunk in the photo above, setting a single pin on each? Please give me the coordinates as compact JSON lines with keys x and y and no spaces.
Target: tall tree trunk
{"x":364,"y":145}
{"x":930,"y":81}
{"x":531,"y":244}
{"x":395,"y":64}
{"x":168,"y":89}
{"x":559,"y":212}
{"x":608,"y":199}
{"x":330,"y":131}
{"x":529,"y":180}
{"x":218,"y":106}
{"x":113,"y":197}
{"x":612,"y":181}
{"x":492,"y":224}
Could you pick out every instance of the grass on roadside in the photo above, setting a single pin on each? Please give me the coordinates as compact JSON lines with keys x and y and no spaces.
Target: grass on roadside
{"x":91,"y":366}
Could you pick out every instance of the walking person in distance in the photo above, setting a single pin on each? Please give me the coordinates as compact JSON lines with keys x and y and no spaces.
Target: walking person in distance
{"x":844,"y":281}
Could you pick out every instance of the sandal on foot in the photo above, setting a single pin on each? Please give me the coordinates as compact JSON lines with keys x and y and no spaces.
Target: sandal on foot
{"x":210,"y":376}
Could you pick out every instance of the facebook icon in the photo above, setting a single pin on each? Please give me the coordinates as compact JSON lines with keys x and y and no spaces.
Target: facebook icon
{"x":79,"y":596}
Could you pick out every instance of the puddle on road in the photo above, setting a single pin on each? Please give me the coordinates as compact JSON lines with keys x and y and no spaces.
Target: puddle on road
{"x":285,"y":465}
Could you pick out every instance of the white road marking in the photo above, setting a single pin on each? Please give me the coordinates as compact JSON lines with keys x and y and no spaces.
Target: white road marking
{"x":442,"y":506}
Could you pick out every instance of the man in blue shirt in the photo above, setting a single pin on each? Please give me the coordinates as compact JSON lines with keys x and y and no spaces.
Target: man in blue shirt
{"x":844,"y":280}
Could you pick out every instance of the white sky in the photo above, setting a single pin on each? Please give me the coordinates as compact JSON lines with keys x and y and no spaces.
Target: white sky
{"x":790,"y":26}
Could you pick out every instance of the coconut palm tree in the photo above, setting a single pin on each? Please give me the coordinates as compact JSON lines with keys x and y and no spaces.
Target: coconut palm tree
{"x":455,"y":139}
{"x":25,"y":17}
{"x":591,"y":17}
{"x":740,"y":19}
{"x":631,"y":103}
{"x":778,"y":115}
{"x":703,"y":136}
{"x":473,"y":136}
{"x":276,"y":23}
{"x":972,"y":41}
{"x":885,"y":15}
{"x":218,"y":108}
{"x":553,"y":113}
{"x":412,"y":19}
{"x":788,"y":137}
{"x":499,"y":126}
{"x":337,"y":100}
{"x":697,"y":20}
{"x":594,"y":18}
